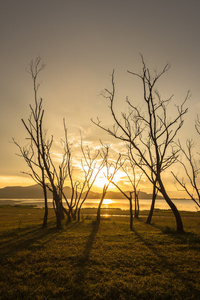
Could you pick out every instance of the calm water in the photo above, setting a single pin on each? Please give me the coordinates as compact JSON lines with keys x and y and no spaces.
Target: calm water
{"x":187,"y":205}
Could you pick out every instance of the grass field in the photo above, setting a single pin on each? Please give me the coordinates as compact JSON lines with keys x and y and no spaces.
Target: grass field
{"x":87,"y":261}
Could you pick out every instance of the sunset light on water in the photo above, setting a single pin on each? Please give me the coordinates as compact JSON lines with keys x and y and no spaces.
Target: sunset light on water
{"x":107,"y":201}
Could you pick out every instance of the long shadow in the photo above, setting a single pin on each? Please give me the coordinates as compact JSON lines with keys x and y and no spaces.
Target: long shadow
{"x":73,"y":224}
{"x":25,"y":238}
{"x":88,"y":247}
{"x":83,"y":263}
{"x":167,"y":263}
{"x":186,"y":237}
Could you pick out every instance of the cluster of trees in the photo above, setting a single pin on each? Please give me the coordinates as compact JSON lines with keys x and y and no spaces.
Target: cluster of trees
{"x":148,"y":134}
{"x":51,"y":175}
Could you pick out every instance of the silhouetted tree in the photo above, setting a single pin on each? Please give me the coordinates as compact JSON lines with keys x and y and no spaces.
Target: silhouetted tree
{"x":154,"y":195}
{"x":149,"y":135}
{"x":191,"y":167}
{"x":91,"y":170}
{"x":111,"y":169}
{"x":30,"y":152}
{"x":134,"y":180}
{"x":134,"y":183}
{"x":91,"y":164}
{"x":37,"y":153}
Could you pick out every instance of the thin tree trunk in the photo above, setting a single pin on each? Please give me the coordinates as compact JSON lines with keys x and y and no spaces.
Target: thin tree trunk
{"x":152,"y":205}
{"x":179,"y":223}
{"x":135,"y":208}
{"x":67,"y":214}
{"x":58,"y":211}
{"x":99,"y":210}
{"x":136,"y":205}
{"x":79,"y":211}
{"x":131,"y":214}
{"x":100,"y":203}
{"x":74,"y":212}
{"x":46,"y":208}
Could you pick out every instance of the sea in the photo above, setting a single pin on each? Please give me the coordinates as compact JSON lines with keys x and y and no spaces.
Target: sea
{"x":181,"y":204}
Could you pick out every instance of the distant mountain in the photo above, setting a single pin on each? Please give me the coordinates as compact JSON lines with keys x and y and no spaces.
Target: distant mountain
{"x":118,"y":195}
{"x":22,"y":192}
{"x":35,"y":192}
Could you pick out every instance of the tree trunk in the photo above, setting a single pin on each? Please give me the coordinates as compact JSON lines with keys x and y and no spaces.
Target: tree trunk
{"x":74,"y":212}
{"x":79,"y":214}
{"x":62,"y":215}
{"x":67,"y":214}
{"x":152,"y":205}
{"x":99,"y":210}
{"x":58,"y":210}
{"x":137,"y":208}
{"x":100,"y":203}
{"x":131,"y":214}
{"x":79,"y":211}
{"x":45,"y":216}
{"x":179,"y":224}
{"x":45,"y":207}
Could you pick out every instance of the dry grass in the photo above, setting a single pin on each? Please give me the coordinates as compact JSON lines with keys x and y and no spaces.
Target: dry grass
{"x":87,"y":261}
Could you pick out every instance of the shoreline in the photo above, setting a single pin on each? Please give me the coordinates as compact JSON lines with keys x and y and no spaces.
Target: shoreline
{"x":107,"y":213}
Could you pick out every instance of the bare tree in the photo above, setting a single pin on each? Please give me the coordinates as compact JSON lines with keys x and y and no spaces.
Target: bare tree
{"x":111,"y":169}
{"x":154,"y":195}
{"x":149,"y":135}
{"x":191,"y":167}
{"x":92,"y":164}
{"x":37,"y":153}
{"x":130,"y":198}
{"x":91,"y":171}
{"x":33,"y":150}
{"x":134,"y":183}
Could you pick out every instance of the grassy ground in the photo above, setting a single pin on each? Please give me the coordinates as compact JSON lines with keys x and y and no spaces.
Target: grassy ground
{"x":86,"y":261}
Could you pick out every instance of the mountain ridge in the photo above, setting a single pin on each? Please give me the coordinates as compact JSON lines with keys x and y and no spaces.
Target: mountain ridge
{"x":35,"y":192}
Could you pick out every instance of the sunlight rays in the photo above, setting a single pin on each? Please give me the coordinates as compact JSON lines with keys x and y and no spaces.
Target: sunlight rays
{"x":102,"y":180}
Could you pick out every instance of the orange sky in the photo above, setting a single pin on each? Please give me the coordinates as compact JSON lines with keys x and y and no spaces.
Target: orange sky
{"x":81,"y":42}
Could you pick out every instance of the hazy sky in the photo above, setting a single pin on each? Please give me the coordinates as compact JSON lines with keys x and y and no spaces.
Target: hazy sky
{"x":81,"y":42}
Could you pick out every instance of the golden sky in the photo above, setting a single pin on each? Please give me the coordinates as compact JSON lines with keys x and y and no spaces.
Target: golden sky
{"x":81,"y":42}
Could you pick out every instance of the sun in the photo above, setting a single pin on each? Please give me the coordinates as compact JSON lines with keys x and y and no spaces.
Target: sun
{"x":107,"y":201}
{"x":101,"y":180}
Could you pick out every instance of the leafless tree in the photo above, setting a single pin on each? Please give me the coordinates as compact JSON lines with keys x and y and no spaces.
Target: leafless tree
{"x":149,"y":135}
{"x":37,"y":153}
{"x":191,"y":167}
{"x":134,"y":183}
{"x":154,"y":195}
{"x":111,"y":169}
{"x":134,"y":180}
{"x":130,"y":198}
{"x":33,"y":150}
{"x":91,"y":165}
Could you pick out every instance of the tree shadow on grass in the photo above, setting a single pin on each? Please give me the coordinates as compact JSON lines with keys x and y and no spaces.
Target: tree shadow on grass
{"x":169,"y":265}
{"x":187,"y":237}
{"x":88,"y":247}
{"x":25,"y":238}
{"x":80,"y":292}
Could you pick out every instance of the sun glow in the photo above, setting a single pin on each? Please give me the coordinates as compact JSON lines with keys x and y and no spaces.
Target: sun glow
{"x":107,"y":201}
{"x":101,"y":179}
